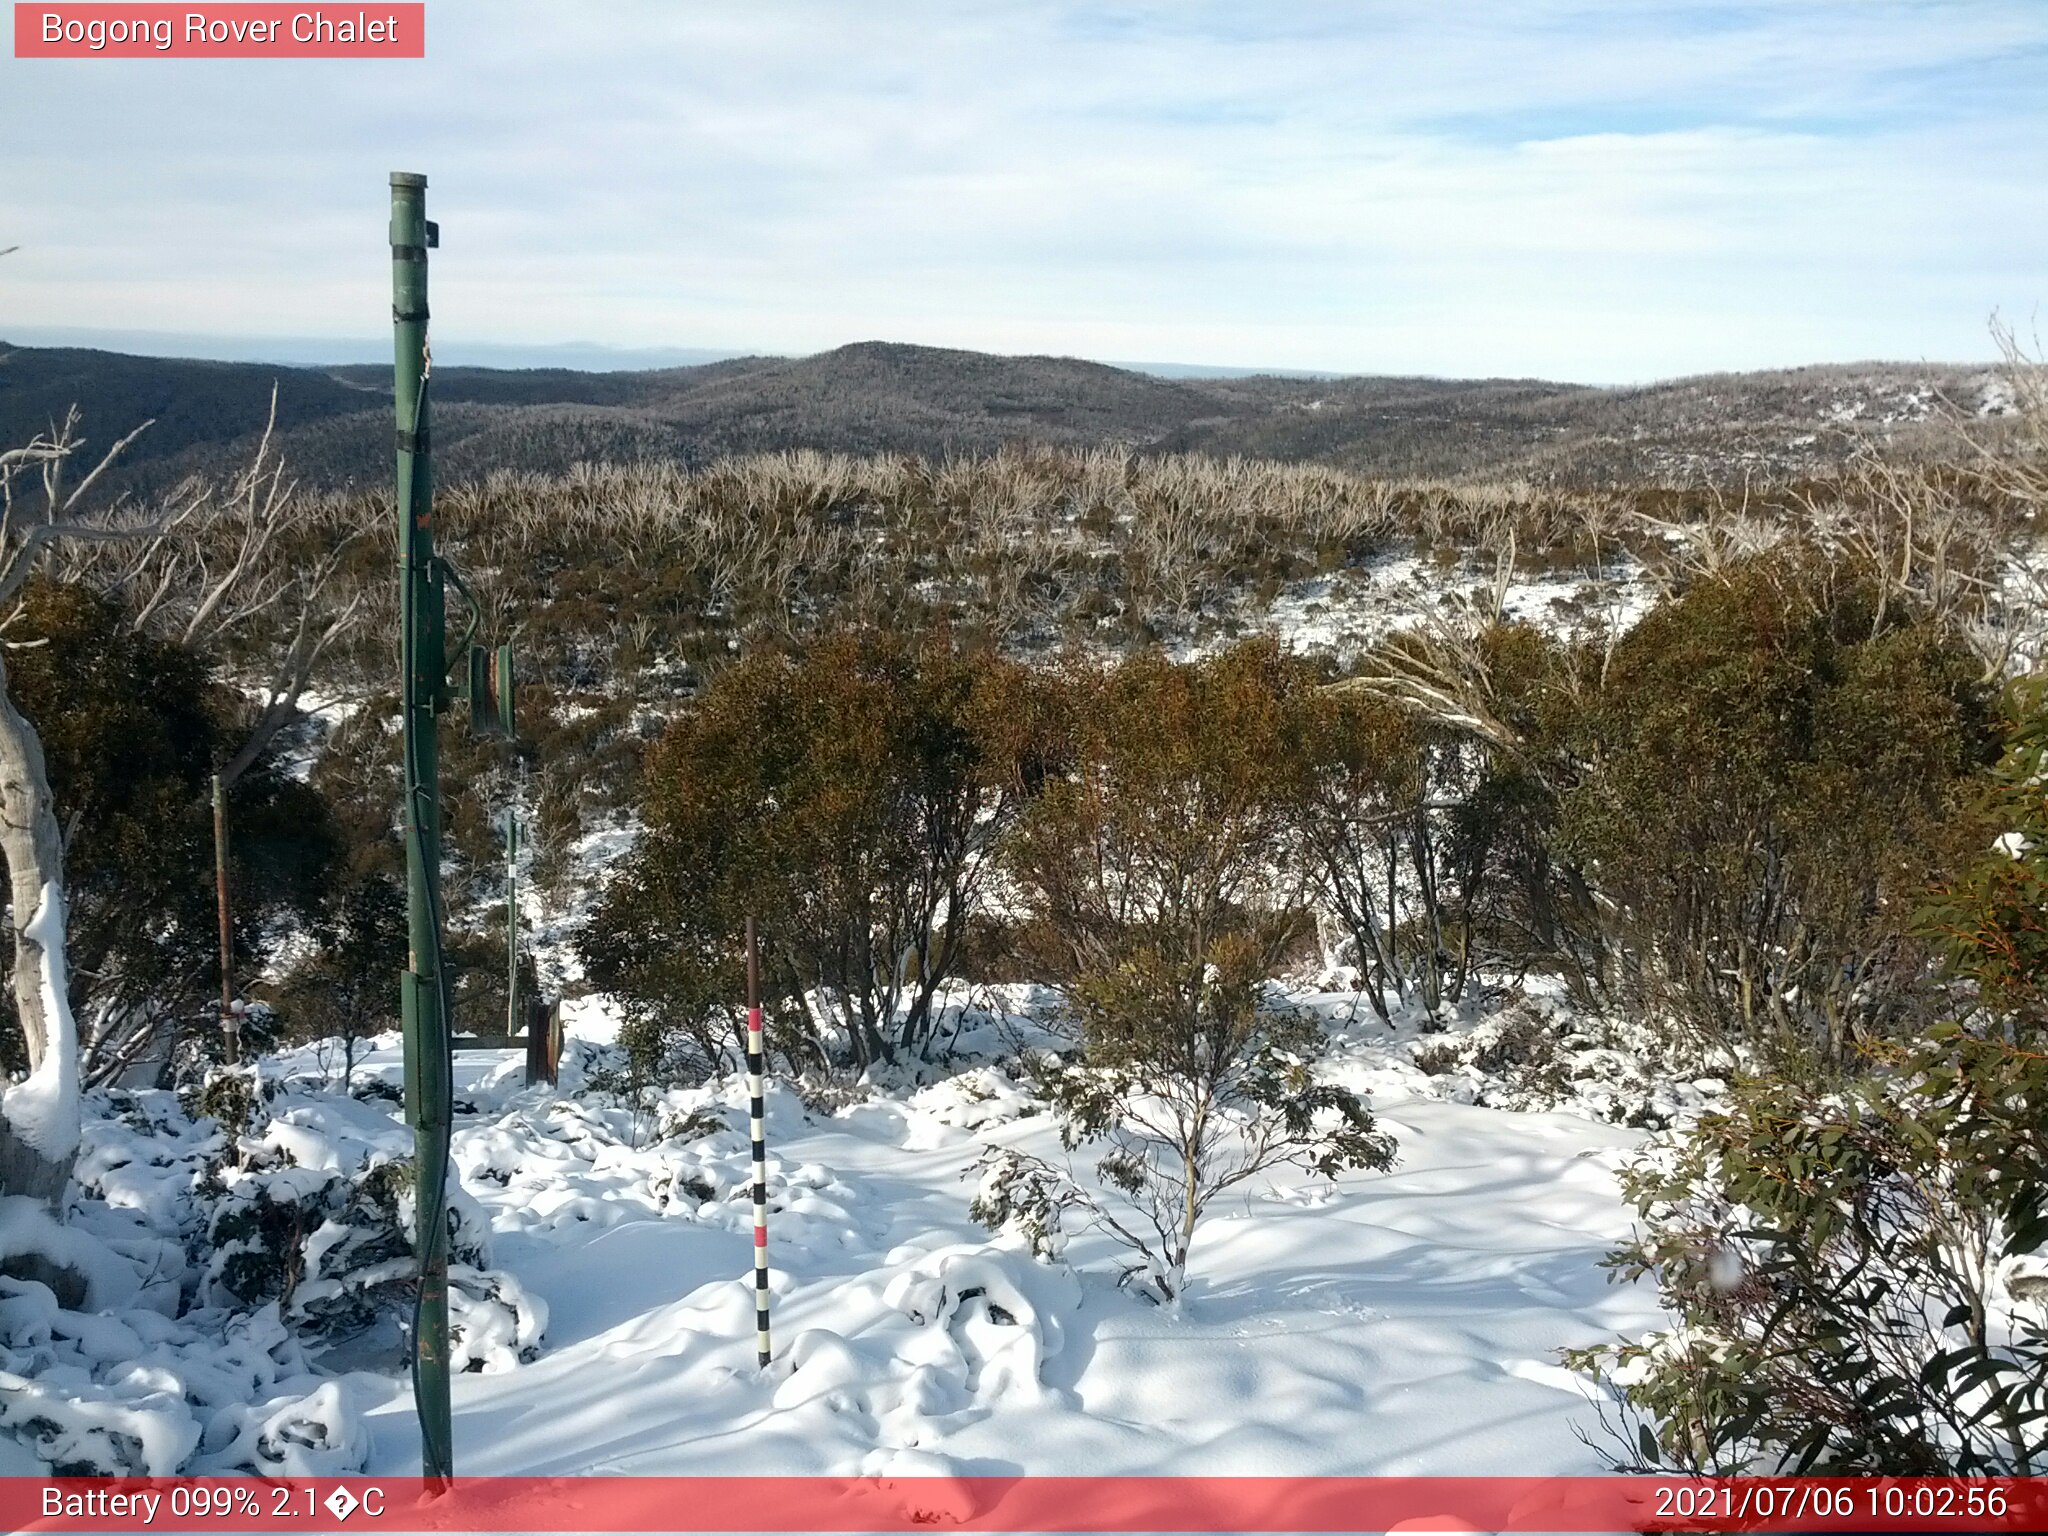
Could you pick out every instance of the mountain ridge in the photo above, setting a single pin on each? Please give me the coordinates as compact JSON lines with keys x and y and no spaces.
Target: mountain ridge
{"x":894,"y":397}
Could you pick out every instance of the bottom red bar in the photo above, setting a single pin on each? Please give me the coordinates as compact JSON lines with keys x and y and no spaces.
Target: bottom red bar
{"x":1020,"y":1504}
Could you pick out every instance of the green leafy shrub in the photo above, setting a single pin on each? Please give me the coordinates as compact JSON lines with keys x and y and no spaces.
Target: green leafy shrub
{"x":1770,"y":775}
{"x":1855,"y":1272}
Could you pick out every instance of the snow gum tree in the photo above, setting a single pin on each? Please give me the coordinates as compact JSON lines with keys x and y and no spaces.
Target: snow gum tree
{"x":39,"y":1117}
{"x":1160,"y":899}
{"x":192,"y":568}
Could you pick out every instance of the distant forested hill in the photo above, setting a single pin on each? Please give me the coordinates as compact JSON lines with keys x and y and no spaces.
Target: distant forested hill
{"x":335,"y":427}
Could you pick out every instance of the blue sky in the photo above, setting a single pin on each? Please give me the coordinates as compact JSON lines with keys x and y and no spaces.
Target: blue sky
{"x":1603,"y":192}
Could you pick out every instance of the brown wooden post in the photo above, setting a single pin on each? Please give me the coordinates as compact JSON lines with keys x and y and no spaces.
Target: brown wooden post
{"x":230,"y":1022}
{"x":536,"y":1010}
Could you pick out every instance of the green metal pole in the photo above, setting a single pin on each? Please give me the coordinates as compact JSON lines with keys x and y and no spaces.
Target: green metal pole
{"x":423,"y":662}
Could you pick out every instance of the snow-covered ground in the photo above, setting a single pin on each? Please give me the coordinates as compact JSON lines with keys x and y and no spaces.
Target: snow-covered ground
{"x":1404,"y":1322}
{"x":1389,"y":1324}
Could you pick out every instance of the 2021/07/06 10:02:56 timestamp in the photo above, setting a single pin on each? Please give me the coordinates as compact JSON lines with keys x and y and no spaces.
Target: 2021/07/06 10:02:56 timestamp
{"x":1749,"y":1499}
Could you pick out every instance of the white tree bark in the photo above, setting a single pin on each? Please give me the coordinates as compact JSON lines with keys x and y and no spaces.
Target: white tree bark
{"x":38,"y":1119}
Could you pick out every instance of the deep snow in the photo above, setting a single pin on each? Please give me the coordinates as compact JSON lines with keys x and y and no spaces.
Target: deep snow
{"x":1404,"y":1322}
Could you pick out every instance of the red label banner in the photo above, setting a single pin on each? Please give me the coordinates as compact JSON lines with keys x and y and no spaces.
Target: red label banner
{"x":238,"y":31}
{"x":1019,"y":1504}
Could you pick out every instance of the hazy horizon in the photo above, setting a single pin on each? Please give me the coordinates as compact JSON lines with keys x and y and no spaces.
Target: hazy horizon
{"x":1582,"y":192}
{"x":590,"y":357}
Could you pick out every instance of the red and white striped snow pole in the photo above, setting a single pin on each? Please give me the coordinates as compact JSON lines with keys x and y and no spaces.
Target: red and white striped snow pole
{"x":757,"y":1110}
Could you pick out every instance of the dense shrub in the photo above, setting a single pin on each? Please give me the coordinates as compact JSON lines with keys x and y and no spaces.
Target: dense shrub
{"x":848,"y":795}
{"x":332,"y":1247}
{"x":1856,"y":1273}
{"x":1169,"y":823}
{"x":1766,"y":782}
{"x":1160,"y":898}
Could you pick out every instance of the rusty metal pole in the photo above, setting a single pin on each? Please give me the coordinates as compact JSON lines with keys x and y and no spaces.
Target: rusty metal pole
{"x":230,"y":1023}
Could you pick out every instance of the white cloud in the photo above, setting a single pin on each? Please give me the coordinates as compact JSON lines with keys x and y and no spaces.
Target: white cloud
{"x":1595,"y":191}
